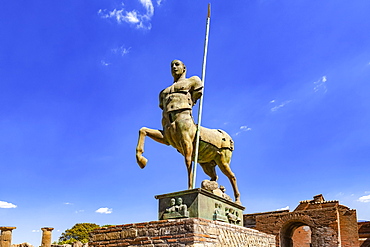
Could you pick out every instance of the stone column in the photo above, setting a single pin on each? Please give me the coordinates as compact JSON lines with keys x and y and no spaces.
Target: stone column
{"x":6,"y":236}
{"x":46,"y":236}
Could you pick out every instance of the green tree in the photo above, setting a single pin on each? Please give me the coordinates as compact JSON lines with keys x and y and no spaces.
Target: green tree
{"x":79,"y":232}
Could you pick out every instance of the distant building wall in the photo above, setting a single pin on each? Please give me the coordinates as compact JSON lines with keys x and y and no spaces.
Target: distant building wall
{"x":302,"y":236}
{"x":331,"y":224}
{"x":364,"y":233}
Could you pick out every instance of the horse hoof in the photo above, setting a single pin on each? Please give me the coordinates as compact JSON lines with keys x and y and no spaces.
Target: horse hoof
{"x":238,"y":202}
{"x":141,"y":161}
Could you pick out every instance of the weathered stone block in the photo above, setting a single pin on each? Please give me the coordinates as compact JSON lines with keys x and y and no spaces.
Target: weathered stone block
{"x":199,"y":203}
{"x":187,"y":232}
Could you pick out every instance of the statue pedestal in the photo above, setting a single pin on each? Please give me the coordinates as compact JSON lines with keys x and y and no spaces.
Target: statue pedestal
{"x":185,"y":232}
{"x":199,"y":203}
{"x":190,"y":218}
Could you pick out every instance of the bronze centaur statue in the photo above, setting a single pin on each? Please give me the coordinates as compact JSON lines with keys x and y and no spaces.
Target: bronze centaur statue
{"x":179,"y":130}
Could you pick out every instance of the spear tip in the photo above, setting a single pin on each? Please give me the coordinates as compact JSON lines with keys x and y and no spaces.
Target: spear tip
{"x":209,"y":11}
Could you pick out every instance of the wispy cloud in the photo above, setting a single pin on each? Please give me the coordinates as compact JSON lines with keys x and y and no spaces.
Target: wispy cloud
{"x":7,"y":205}
{"x":68,"y":203}
{"x":104,"y":211}
{"x":320,"y":85}
{"x":364,"y":198}
{"x":122,"y":50}
{"x":243,"y":128}
{"x":35,"y":230}
{"x":104,"y":63}
{"x":134,"y":17}
{"x":281,"y":209}
{"x":79,"y":211}
{"x":118,"y":51}
{"x":275,"y":108}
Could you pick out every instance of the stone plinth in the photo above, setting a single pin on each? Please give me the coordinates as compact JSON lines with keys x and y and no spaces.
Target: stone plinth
{"x":199,"y":203}
{"x":186,"y":232}
{"x":46,"y":236}
{"x":6,"y":236}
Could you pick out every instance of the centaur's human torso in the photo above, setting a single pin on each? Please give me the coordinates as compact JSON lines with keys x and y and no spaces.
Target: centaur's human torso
{"x":177,"y":101}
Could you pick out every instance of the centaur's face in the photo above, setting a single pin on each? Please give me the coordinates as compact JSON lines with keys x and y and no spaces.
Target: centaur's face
{"x":177,"y":68}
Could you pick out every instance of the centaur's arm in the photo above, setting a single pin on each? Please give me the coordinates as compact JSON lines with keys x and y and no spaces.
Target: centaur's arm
{"x":196,"y":88}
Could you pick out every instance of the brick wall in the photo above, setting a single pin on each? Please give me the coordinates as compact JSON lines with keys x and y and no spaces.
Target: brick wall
{"x":348,"y":227}
{"x":302,"y":236}
{"x":331,"y":224}
{"x":193,"y":232}
{"x":364,"y":233}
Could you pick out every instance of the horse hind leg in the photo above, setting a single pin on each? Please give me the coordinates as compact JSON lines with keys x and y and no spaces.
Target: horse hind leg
{"x":209,"y":169}
{"x":223,"y":163}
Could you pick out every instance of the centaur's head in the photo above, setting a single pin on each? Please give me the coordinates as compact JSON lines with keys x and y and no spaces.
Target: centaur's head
{"x":178,"y":69}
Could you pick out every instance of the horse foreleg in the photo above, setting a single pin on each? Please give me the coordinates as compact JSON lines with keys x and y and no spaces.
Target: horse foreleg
{"x":189,"y":166}
{"x":187,"y":149}
{"x":156,"y":135}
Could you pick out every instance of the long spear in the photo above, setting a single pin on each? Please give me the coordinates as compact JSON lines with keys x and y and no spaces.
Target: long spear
{"x":201,"y":98}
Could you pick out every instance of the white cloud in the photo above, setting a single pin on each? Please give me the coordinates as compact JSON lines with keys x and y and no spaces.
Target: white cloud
{"x":364,"y":198}
{"x":320,"y":85}
{"x":148,"y":6}
{"x":104,"y":63}
{"x":243,"y":129}
{"x":272,"y":101}
{"x":79,"y":211}
{"x":280,"y":209}
{"x":35,"y":230}
{"x":104,"y":211}
{"x":68,"y":203}
{"x":134,"y":17}
{"x":130,"y":17}
{"x":159,"y":2}
{"x":121,"y":50}
{"x":275,"y":108}
{"x":7,"y":205}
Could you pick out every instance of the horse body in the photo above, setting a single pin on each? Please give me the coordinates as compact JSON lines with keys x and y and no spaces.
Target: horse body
{"x":215,"y":148}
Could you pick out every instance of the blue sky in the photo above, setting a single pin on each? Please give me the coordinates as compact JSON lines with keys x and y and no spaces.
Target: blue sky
{"x":288,"y":80}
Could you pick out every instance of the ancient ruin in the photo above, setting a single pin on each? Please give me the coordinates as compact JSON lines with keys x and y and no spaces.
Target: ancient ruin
{"x":6,"y":236}
{"x":46,"y":236}
{"x":193,"y":232}
{"x":364,"y":233}
{"x":312,"y":223}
